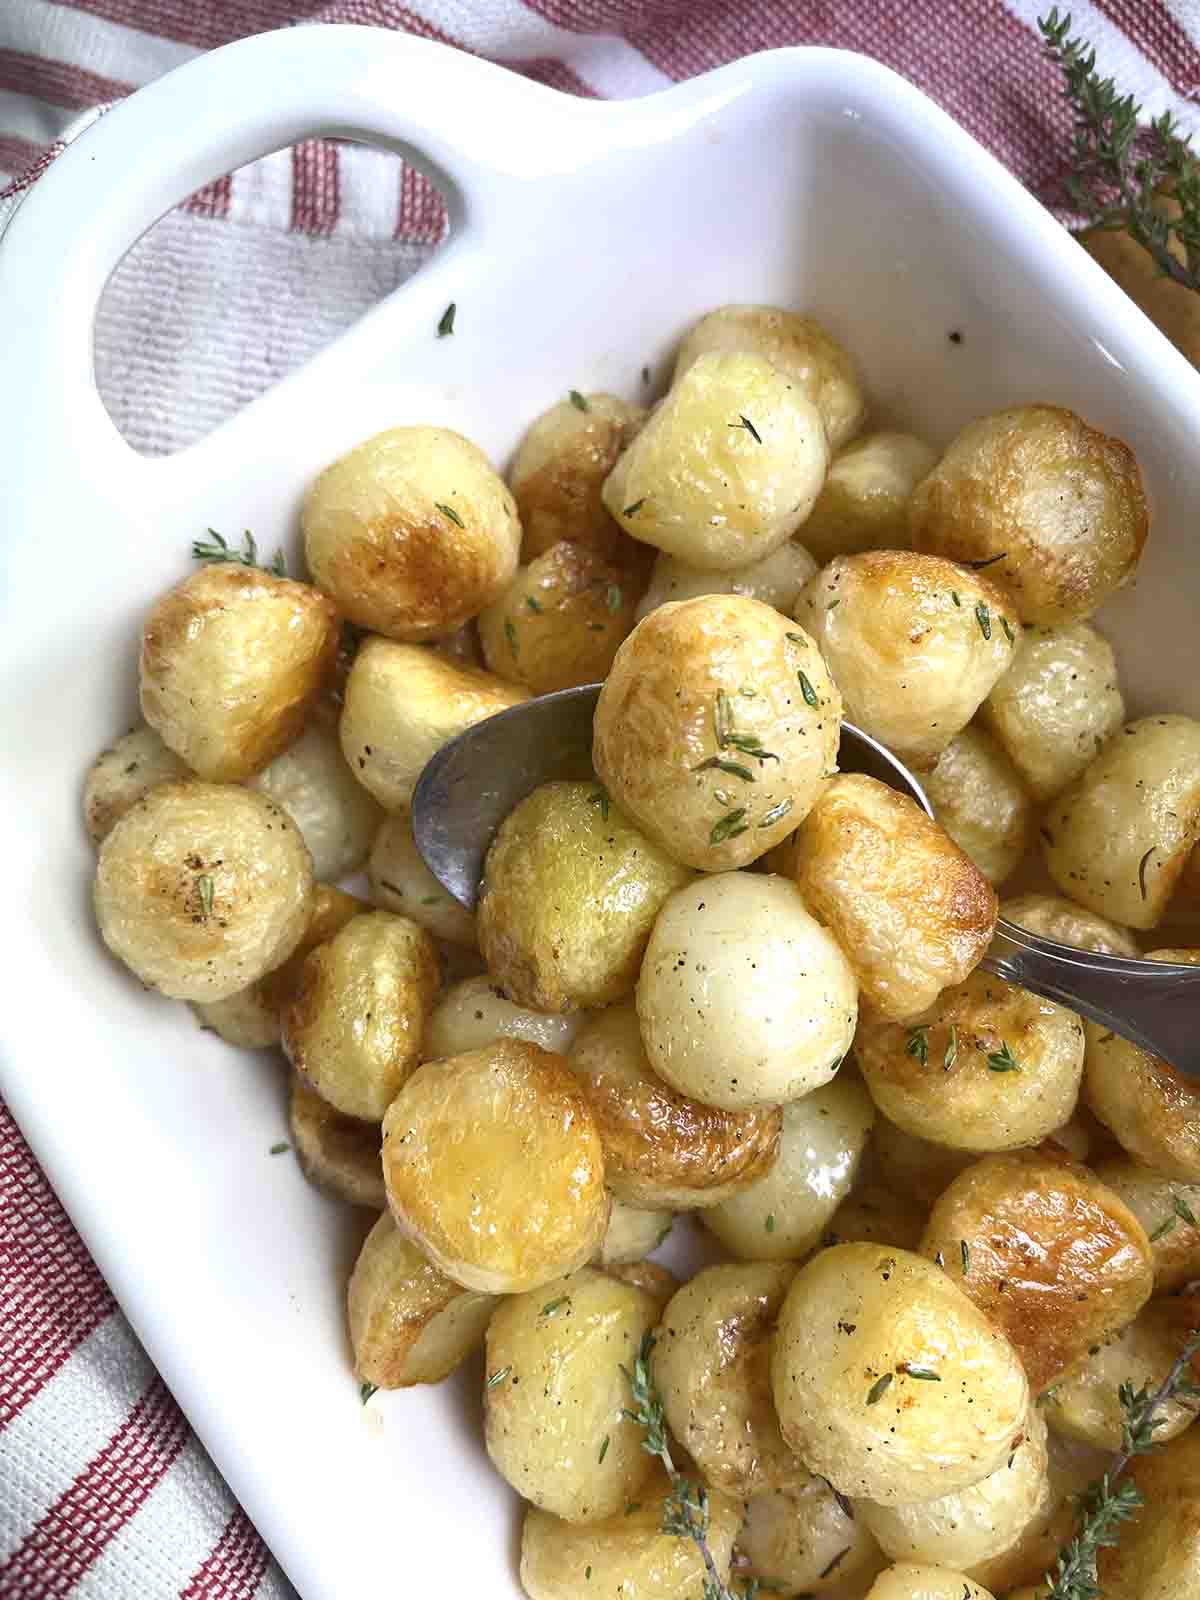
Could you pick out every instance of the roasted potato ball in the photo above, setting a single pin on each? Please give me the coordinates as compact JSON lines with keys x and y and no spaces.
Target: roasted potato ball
{"x":401,"y":882}
{"x":1055,"y":1259}
{"x":336,"y":1152}
{"x":978,"y":798}
{"x":559,"y":470}
{"x":201,"y":888}
{"x":660,"y":1148}
{"x":711,"y":1366}
{"x":411,"y":532}
{"x":715,"y":728}
{"x":888,"y":1381}
{"x":632,"y":1234}
{"x":1056,"y":505}
{"x":909,"y":1580}
{"x":570,"y":892}
{"x":988,"y":1067}
{"x":560,"y":621}
{"x":1057,"y":706}
{"x":874,"y":1214}
{"x":493,"y":1165}
{"x":650,"y":1276}
{"x":334,"y":813}
{"x":1170,"y":1214}
{"x":806,"y":1541}
{"x":627,"y":1555}
{"x":355,"y":1025}
{"x":776,"y":580}
{"x":864,"y":504}
{"x":799,"y":347}
{"x":233,"y":661}
{"x":1158,"y":1556}
{"x":1153,"y":1110}
{"x":744,"y":999}
{"x":913,"y":642}
{"x":910,"y":1165}
{"x":783,"y":1214}
{"x":726,"y":468}
{"x":913,"y":913}
{"x":1056,"y":918}
{"x":1119,"y":838}
{"x":475,"y":1011}
{"x":409,"y":1323}
{"x":402,"y":705}
{"x":556,"y":1423}
{"x":122,"y":774}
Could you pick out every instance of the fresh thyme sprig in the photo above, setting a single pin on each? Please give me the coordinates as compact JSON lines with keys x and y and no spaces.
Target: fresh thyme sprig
{"x":1107,"y":1503}
{"x":218,"y":549}
{"x":1121,"y":172}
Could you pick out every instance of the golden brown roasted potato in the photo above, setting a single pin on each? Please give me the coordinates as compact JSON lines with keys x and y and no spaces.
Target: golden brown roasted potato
{"x":983,"y":805}
{"x":1054,"y":917}
{"x":988,"y":1067}
{"x":355,"y":1024}
{"x":201,"y":888}
{"x":715,"y":728}
{"x":807,"y":1541}
{"x":660,"y":1148}
{"x":913,"y":914}
{"x":1055,"y":504}
{"x":570,"y":892}
{"x":650,"y":1276}
{"x":913,"y":642}
{"x":411,"y":532}
{"x":233,"y":661}
{"x":872,"y":1213}
{"x":336,"y":816}
{"x":1170,"y":1214}
{"x":888,"y":1381}
{"x":776,"y":580}
{"x":1057,"y":706}
{"x":409,"y":1323}
{"x":744,"y":999}
{"x":1052,"y":1256}
{"x":864,"y":504}
{"x":402,"y":705}
{"x":475,"y":1011}
{"x":909,"y":1580}
{"x":493,"y":1166}
{"x":122,"y":774}
{"x":631,"y":1235}
{"x":401,"y":882}
{"x":799,"y":347}
{"x":912,"y":1166}
{"x":559,"y":470}
{"x":1158,"y":1556}
{"x":336,"y":1152}
{"x":726,"y":468}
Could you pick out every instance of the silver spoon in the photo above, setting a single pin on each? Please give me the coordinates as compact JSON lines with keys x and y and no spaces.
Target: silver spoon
{"x":472,"y":784}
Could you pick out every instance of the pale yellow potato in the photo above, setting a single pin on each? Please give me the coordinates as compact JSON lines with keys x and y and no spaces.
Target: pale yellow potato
{"x":909,"y":1580}
{"x":1061,"y":502}
{"x":412,"y":532}
{"x":561,"y":620}
{"x":987,"y":1067}
{"x":912,"y":1166}
{"x":864,"y":504}
{"x":493,"y":1166}
{"x":336,"y":1152}
{"x":1057,"y":706}
{"x":975,"y":1524}
{"x":246,"y":1019}
{"x":1055,"y":1259}
{"x":716,"y":727}
{"x":628,"y":1555}
{"x":555,"y":1424}
{"x":335,"y":814}
{"x":872,"y":1213}
{"x":662,"y":1149}
{"x":711,"y":1366}
{"x":233,"y":661}
{"x":632,"y":1234}
{"x":912,"y":912}
{"x":726,"y":468}
{"x":122,"y":774}
{"x":1170,"y":1214}
{"x":1153,"y":1110}
{"x":201,"y":888}
{"x":983,"y":805}
{"x":744,"y":998}
{"x":354,"y":1027}
{"x":776,"y":580}
{"x":782,"y":1215}
{"x":799,"y":347}
{"x":570,"y":892}
{"x":401,"y":882}
{"x":806,"y":1541}
{"x":1158,"y":1557}
{"x":858,"y":1322}
{"x":559,"y":470}
{"x":402,"y":705}
{"x":913,"y":642}
{"x":475,"y":1011}
{"x":409,"y":1323}
{"x":1118,"y":840}
{"x":1054,"y":917}
{"x":650,"y":1276}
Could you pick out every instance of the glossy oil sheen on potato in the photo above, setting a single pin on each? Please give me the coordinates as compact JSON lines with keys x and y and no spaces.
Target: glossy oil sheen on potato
{"x":909,"y":1580}
{"x":475,"y":1011}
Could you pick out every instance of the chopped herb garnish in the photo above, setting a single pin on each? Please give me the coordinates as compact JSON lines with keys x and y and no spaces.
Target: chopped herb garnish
{"x":603,"y":1449}
{"x":770,"y":1222}
{"x":744,"y":422}
{"x":954,"y":597}
{"x":877,"y":1390}
{"x":366,"y":1390}
{"x":534,"y":605}
{"x":449,"y":511}
{"x":951,"y":1055}
{"x":600,"y":798}
{"x":247,"y":556}
{"x":1183,"y":1211}
{"x":729,"y":826}
{"x":918,"y":1044}
{"x":552,"y":1306}
{"x":1011,"y":636}
{"x":978,"y":566}
{"x":722,"y":765}
{"x":966,"y":1256}
{"x":587,"y":1572}
{"x":925,"y":1374}
{"x":1003,"y":1060}
{"x":775,"y":813}
{"x":632,"y":511}
{"x":1163,"y":1229}
{"x":204,"y":894}
{"x":497,"y":1377}
{"x":446,"y":324}
{"x":429,"y":899}
{"x":631,"y":1506}
{"x":984,"y":618}
{"x":578,"y":401}
{"x":510,"y":633}
{"x":796,"y":638}
{"x":614,"y":597}
{"x":645,"y":374}
{"x":722,"y":719}
{"x":807,"y":690}
{"x":1142,"y":865}
{"x":939,"y":1260}
{"x":278,"y":1149}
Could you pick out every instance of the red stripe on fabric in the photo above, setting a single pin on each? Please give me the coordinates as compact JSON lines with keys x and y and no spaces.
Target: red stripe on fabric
{"x":213,"y":200}
{"x":1159,"y":37}
{"x":52,"y":1294}
{"x":16,"y":155}
{"x":316,"y":199}
{"x":104,"y":1497}
{"x":420,"y":209}
{"x":233,"y":1567}
{"x":202,"y":23}
{"x":57,"y":83}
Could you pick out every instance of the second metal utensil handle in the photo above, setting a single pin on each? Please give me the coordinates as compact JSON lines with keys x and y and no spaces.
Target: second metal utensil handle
{"x":1155,"y":1004}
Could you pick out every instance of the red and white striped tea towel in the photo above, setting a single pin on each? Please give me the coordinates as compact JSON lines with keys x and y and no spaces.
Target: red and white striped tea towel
{"x":104,"y":1491}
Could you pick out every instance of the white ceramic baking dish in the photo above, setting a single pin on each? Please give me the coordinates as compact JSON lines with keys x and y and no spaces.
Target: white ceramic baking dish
{"x":585,"y":236}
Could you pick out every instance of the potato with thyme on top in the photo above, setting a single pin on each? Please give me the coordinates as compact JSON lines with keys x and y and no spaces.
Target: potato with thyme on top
{"x":559,"y":470}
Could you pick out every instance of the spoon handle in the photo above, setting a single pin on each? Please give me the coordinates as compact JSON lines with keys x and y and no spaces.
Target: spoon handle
{"x":1156,"y":1004}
